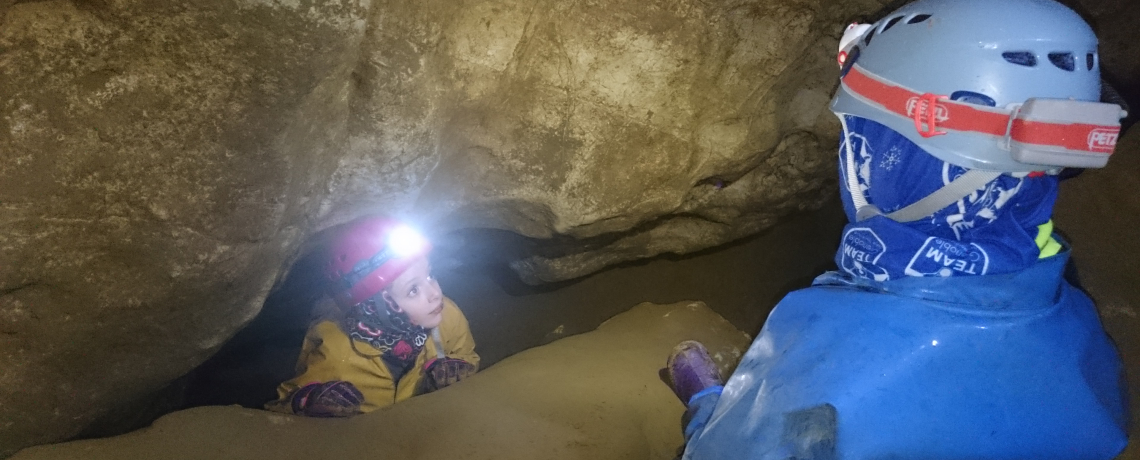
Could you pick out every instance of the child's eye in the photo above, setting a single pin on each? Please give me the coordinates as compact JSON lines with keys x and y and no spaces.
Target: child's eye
{"x":413,"y":291}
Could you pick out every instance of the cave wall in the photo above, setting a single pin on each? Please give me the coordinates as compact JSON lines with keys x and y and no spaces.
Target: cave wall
{"x":160,"y":165}
{"x":643,"y":127}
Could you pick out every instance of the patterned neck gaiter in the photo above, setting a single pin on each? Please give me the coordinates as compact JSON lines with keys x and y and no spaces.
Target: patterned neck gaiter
{"x":398,"y":340}
{"x":989,"y":232}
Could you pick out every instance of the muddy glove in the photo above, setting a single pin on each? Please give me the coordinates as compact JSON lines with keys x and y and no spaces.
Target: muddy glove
{"x":330,"y":399}
{"x":445,"y":371}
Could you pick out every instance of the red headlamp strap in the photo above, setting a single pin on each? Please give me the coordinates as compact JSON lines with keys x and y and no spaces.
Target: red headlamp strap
{"x":931,"y":113}
{"x":904,"y":102}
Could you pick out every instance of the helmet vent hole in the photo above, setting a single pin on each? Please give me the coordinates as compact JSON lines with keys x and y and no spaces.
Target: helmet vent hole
{"x":919,"y":18}
{"x":891,"y":23}
{"x":1022,"y":58}
{"x":971,"y":97}
{"x":1090,"y":61}
{"x":1063,"y":61}
{"x":870,"y":35}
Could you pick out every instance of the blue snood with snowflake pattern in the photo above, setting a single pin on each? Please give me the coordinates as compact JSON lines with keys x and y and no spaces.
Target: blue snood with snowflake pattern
{"x":991,"y":231}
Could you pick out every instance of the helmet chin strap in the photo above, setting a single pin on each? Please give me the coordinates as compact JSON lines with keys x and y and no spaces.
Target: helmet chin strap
{"x":961,"y":187}
{"x":857,"y":197}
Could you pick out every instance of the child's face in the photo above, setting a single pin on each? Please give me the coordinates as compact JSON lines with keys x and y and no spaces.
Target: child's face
{"x":417,"y":294}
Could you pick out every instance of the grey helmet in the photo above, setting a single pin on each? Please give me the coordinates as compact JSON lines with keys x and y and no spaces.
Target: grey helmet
{"x":995,"y":85}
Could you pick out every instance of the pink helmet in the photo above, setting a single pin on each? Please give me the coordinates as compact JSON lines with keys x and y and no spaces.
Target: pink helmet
{"x":368,"y":255}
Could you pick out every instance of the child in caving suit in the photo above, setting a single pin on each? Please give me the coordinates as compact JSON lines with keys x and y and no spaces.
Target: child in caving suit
{"x":391,"y":335}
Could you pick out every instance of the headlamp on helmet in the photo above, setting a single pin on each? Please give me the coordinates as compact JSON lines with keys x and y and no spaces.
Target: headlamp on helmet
{"x":405,"y":241}
{"x":368,"y":255}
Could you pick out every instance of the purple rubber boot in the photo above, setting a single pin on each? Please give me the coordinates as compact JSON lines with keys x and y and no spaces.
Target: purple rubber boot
{"x":691,"y":370}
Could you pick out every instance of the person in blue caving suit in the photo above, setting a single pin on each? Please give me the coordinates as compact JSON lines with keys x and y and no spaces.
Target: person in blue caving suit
{"x":948,"y":330}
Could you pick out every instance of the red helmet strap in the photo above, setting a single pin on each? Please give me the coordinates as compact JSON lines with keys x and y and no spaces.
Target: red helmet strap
{"x":1043,"y":128}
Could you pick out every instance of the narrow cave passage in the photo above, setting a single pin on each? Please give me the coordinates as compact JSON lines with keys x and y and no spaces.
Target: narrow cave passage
{"x":741,"y":282}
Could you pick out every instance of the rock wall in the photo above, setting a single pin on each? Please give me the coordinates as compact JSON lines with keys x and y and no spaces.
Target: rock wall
{"x":161,"y":165}
{"x":641,"y":127}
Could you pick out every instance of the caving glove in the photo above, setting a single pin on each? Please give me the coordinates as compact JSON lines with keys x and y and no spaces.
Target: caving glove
{"x":442,"y":372}
{"x":337,"y":398}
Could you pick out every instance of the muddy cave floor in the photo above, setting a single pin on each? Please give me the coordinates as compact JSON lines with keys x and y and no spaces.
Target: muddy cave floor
{"x":741,"y":282}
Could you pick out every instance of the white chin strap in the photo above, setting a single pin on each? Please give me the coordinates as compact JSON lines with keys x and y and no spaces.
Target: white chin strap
{"x":965,"y":185}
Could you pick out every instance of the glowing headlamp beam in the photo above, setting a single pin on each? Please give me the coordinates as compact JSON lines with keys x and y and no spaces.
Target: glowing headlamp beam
{"x":404,"y":241}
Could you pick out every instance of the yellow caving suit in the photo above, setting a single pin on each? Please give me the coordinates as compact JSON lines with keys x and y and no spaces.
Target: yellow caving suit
{"x":328,"y":355}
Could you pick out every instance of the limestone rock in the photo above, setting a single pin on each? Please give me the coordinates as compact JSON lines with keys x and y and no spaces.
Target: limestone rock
{"x":640,"y":127}
{"x":158,"y":164}
{"x":162,"y":164}
{"x":596,"y":395}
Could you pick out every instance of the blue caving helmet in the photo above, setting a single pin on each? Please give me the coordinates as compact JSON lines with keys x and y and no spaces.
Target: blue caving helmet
{"x":986,"y":57}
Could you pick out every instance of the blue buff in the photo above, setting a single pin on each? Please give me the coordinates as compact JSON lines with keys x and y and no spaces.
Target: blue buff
{"x":1006,"y":366}
{"x":991,"y":231}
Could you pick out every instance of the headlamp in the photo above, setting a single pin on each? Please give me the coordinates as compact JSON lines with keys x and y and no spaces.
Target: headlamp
{"x":404,"y":241}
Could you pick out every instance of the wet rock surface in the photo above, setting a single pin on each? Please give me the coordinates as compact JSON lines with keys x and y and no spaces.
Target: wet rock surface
{"x":594,"y":395}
